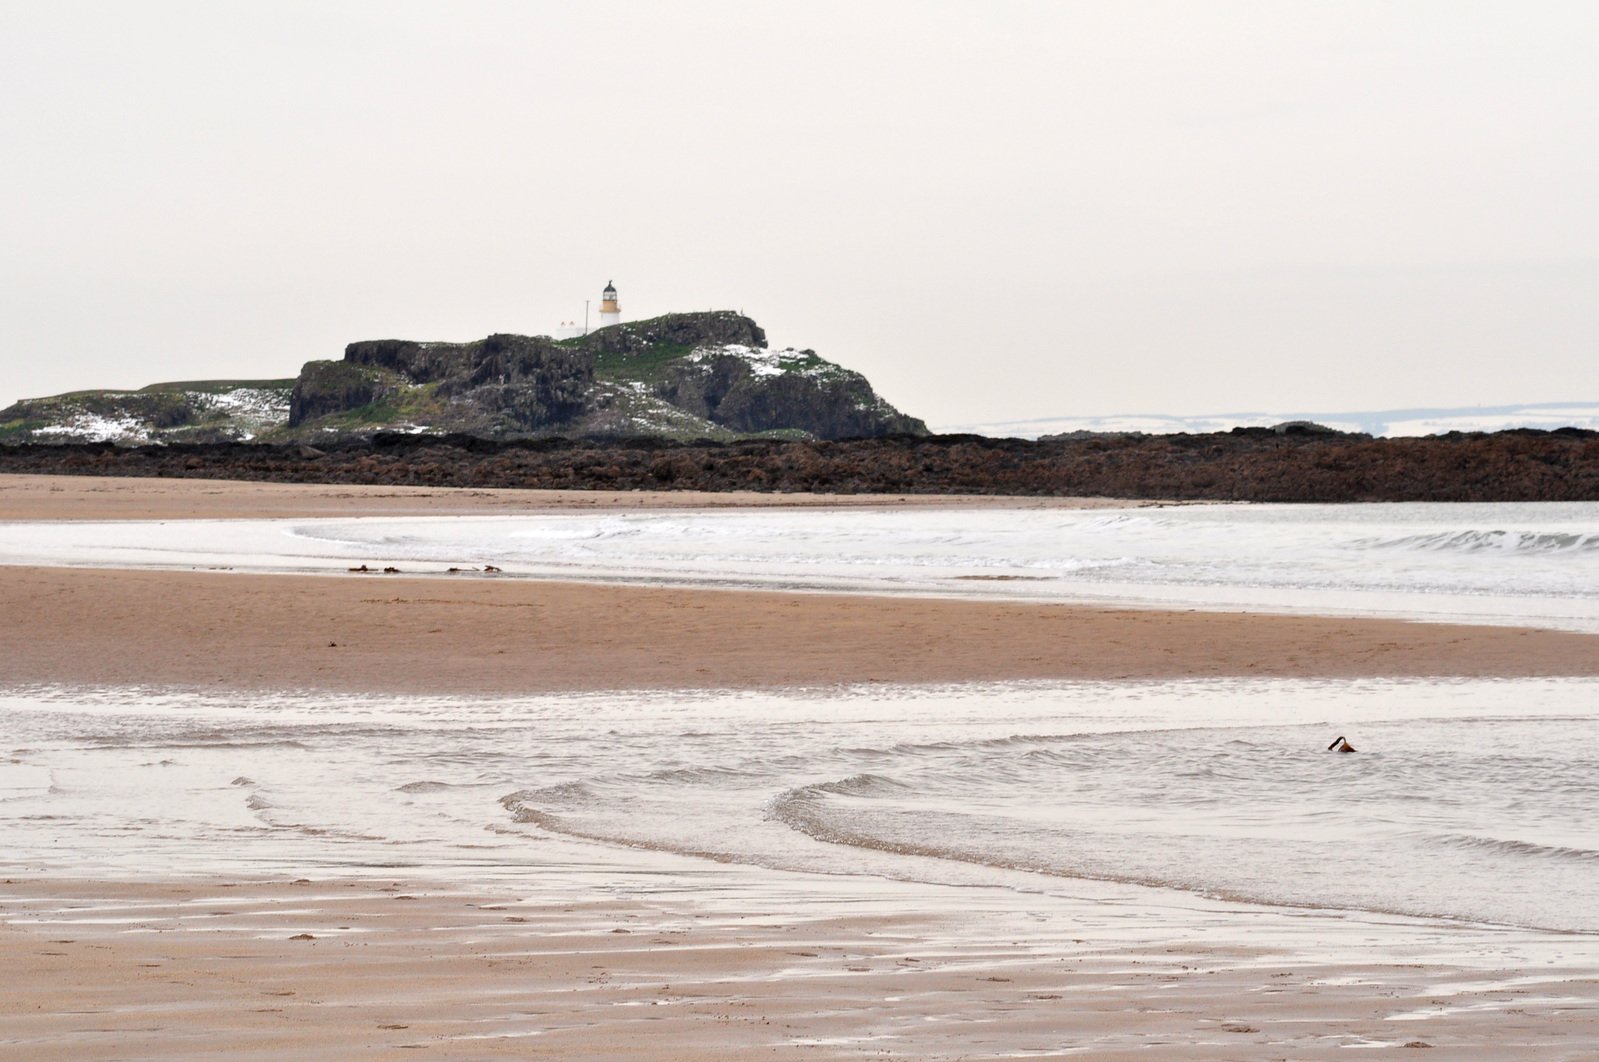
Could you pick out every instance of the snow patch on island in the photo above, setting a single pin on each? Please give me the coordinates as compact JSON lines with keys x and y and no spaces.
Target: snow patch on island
{"x":261,"y":407}
{"x":763,"y":362}
{"x":127,"y":417}
{"x":95,"y":427}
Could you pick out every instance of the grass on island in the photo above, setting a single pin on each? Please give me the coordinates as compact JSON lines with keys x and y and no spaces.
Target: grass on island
{"x":648,"y":367}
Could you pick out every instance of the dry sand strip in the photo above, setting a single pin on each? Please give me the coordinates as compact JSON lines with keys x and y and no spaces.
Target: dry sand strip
{"x":486,"y":635}
{"x":402,"y":969}
{"x":30,"y":497}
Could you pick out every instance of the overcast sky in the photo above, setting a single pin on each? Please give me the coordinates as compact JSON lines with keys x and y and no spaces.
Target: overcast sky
{"x":994,"y":210}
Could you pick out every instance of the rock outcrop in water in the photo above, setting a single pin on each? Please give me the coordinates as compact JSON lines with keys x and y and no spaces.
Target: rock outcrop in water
{"x":1255,"y":464}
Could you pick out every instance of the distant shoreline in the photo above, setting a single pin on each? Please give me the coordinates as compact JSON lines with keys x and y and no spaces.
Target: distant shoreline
{"x":1389,"y":423}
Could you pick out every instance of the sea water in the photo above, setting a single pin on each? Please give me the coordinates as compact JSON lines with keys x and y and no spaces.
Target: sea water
{"x":1535,"y":564}
{"x":1474,"y":800}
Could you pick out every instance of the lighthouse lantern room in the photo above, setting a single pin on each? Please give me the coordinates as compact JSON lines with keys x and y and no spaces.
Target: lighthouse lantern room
{"x":610,"y":313}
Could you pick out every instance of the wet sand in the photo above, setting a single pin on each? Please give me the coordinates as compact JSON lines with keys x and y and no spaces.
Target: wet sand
{"x":613,"y":964}
{"x":385,"y":968}
{"x":481,"y":634}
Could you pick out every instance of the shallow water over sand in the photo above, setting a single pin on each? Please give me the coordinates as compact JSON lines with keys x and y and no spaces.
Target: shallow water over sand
{"x":1525,"y":564}
{"x":1468,"y":800}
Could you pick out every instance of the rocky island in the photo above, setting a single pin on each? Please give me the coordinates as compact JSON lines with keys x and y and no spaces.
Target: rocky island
{"x":687,"y":376}
{"x":698,"y":401}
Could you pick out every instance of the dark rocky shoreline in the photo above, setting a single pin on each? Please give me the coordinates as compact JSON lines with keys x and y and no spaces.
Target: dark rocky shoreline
{"x":1246,"y":464}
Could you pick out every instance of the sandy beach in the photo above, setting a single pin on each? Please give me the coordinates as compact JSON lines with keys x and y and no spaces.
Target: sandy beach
{"x":724,"y":962}
{"x":469,"y":632}
{"x":390,"y":968}
{"x":473,"y":634}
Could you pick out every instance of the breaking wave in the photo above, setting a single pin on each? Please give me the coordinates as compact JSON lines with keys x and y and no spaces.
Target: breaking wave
{"x":1501,"y":846}
{"x":1474,"y":541}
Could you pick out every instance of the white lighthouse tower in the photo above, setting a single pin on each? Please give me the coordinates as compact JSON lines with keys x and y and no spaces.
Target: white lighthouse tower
{"x":610,"y":313}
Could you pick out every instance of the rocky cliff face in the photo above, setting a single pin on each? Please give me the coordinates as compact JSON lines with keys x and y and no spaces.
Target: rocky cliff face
{"x":328,"y":387}
{"x":683,"y":376}
{"x":499,"y":385}
{"x":749,"y":390}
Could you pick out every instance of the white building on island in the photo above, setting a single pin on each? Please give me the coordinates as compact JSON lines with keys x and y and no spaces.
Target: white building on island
{"x":610,"y":314}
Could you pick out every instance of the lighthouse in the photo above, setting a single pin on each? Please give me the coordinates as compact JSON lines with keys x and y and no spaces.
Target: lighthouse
{"x":610,"y":313}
